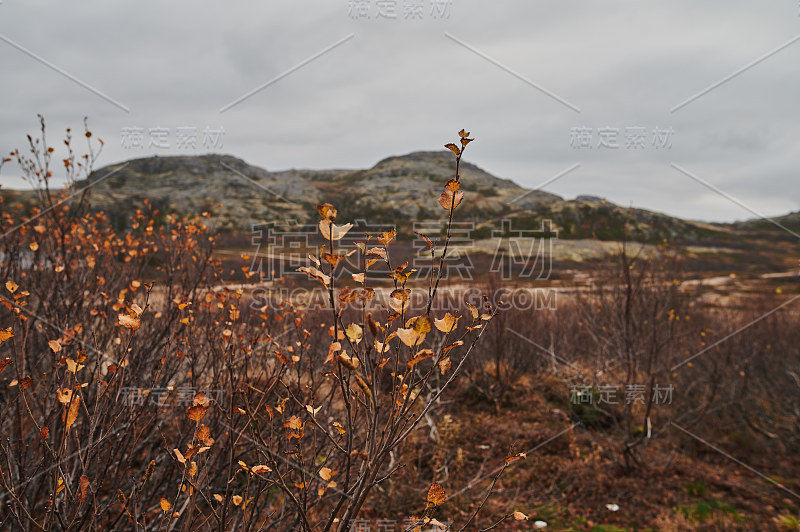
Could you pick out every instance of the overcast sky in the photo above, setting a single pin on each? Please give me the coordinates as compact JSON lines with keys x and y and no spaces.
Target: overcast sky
{"x":535,"y":81}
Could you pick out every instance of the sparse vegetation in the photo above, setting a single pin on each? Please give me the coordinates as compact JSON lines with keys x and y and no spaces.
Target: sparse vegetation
{"x":143,"y":385}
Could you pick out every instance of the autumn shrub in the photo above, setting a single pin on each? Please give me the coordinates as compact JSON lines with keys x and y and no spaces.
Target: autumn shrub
{"x":140,"y":391}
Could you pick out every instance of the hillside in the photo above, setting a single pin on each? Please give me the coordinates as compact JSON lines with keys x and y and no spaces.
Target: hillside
{"x":394,"y":190}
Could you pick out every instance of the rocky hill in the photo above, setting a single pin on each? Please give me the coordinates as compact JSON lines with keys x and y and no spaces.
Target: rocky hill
{"x":396,"y":190}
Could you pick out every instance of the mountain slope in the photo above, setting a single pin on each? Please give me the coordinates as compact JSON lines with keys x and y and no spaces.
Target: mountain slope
{"x":397,"y":190}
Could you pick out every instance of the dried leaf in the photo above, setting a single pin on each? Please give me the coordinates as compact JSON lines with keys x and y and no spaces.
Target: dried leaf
{"x":447,"y":323}
{"x":84,"y":487}
{"x":129,"y":322}
{"x":4,"y":362}
{"x":450,"y":199}
{"x":11,"y":286}
{"x":327,"y":211}
{"x":410,"y":337}
{"x":359,"y":277}
{"x":196,"y":412}
{"x":347,"y":361}
{"x":331,"y":231}
{"x":387,"y":236}
{"x":519,"y":516}
{"x":166,"y":506}
{"x":257,"y":470}
{"x":354,"y":332}
{"x":453,"y":148}
{"x":74,"y":408}
{"x":55,"y":345}
{"x":421,"y":355}
{"x":202,"y":433}
{"x":294,"y":423}
{"x":315,"y":274}
{"x":179,"y":456}
{"x":334,"y":348}
{"x":5,"y":334}
{"x":436,"y":495}
{"x":444,"y":365}
{"x":326,"y":473}
{"x":422,"y":325}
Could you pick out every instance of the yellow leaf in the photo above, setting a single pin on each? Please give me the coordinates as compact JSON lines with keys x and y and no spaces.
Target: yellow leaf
{"x":326,"y":473}
{"x":422,"y":325}
{"x":447,"y":323}
{"x":453,"y":186}
{"x":55,"y":345}
{"x":436,"y":495}
{"x":11,"y":286}
{"x":165,"y":505}
{"x":339,"y":427}
{"x":74,"y":408}
{"x":5,"y":334}
{"x":237,"y":500}
{"x":410,"y":337}
{"x":327,"y":211}
{"x":387,"y":236}
{"x":354,"y":332}
{"x":294,"y":423}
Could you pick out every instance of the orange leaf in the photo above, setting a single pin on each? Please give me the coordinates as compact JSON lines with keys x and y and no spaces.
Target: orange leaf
{"x":74,"y":408}
{"x":436,"y":495}
{"x":196,"y":412}
{"x":5,"y":334}
{"x":453,"y":148}
{"x":166,"y":506}
{"x":129,"y":322}
{"x":421,"y":355}
{"x":327,"y":211}
{"x":84,"y":487}
{"x":447,"y":201}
